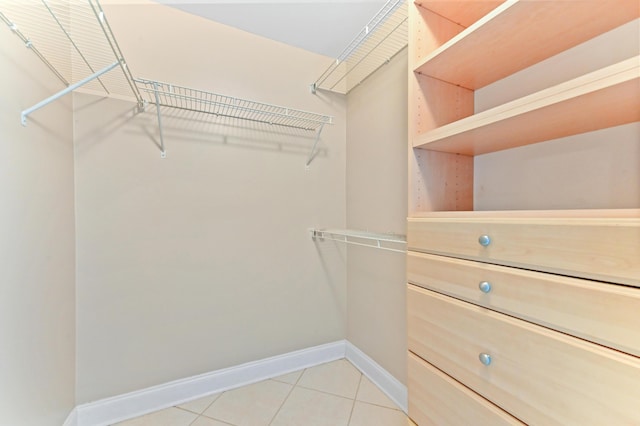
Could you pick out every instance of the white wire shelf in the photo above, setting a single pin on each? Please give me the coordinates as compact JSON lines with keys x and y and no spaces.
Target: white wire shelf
{"x":171,"y":95}
{"x":74,"y":40}
{"x":384,"y":37}
{"x":389,"y":242}
{"x":200,"y":101}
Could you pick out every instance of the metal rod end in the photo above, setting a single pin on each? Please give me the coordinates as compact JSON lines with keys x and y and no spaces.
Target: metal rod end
{"x":23,"y":119}
{"x":163,"y":154}
{"x":314,"y":88}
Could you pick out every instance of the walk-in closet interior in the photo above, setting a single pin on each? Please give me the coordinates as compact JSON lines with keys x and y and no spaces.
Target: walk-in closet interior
{"x":206,"y":220}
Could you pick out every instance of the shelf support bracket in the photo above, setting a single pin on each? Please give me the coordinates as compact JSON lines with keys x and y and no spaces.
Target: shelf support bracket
{"x":314,"y":151}
{"x":63,"y":92}
{"x":163,"y":153}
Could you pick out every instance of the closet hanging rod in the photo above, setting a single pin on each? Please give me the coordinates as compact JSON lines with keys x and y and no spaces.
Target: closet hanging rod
{"x":360,"y":238}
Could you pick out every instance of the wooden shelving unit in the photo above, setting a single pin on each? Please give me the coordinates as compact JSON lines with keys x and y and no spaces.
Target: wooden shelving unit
{"x":504,"y":262}
{"x":598,"y":100}
{"x":501,"y":42}
{"x":449,"y":61}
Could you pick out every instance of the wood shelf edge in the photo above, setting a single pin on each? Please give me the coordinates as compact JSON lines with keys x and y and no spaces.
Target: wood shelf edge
{"x":460,"y":136}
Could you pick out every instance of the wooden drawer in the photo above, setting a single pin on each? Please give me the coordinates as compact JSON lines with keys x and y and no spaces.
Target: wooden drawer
{"x":436,"y":399}
{"x":604,"y":249}
{"x":537,"y":375}
{"x":605,"y":313}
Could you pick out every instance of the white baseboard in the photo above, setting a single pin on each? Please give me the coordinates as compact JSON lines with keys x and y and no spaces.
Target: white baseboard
{"x":391,"y":386}
{"x":133,"y":404}
{"x":72,"y":418}
{"x":122,"y":407}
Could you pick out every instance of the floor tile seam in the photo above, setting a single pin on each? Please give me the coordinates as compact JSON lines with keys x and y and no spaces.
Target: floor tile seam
{"x":380,"y":406}
{"x":287,"y":397}
{"x":205,"y":408}
{"x":325,"y":392}
{"x":217,"y":420}
{"x":353,"y":404}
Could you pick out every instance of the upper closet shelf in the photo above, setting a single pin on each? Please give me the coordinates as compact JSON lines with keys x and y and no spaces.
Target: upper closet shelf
{"x":389,"y":242}
{"x":377,"y":43}
{"x":500,"y":43}
{"x":601,"y":99}
{"x":184,"y":98}
{"x":74,"y":40}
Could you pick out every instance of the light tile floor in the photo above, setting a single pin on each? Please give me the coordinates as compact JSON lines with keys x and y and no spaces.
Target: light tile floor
{"x":332,"y":394}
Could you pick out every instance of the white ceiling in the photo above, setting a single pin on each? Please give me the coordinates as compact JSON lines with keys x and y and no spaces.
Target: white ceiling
{"x":321,"y":26}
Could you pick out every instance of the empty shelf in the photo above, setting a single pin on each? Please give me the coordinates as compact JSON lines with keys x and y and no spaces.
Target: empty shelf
{"x":379,"y":41}
{"x":601,"y":99}
{"x":74,"y":39}
{"x":170,"y":95}
{"x":389,"y":242}
{"x":501,"y":42}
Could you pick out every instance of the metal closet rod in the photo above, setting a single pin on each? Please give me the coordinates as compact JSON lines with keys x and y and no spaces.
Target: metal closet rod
{"x":360,"y":238}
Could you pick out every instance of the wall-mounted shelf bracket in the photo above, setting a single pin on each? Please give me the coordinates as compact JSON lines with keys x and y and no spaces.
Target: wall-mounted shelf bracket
{"x":63,"y":92}
{"x":314,"y":150}
{"x":389,"y":242}
{"x":163,"y":153}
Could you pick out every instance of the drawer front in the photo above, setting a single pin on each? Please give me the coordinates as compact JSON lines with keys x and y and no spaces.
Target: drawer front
{"x":605,"y":250}
{"x":537,"y":375}
{"x":605,"y":313}
{"x":436,"y":399}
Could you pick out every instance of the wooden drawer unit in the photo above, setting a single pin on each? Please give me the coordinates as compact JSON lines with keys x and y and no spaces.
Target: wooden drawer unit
{"x":538,"y":375}
{"x":605,"y":249}
{"x":436,"y":399}
{"x":605,"y":313}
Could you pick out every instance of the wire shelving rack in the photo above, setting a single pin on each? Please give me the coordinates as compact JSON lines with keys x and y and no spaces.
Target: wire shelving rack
{"x":184,"y":98}
{"x":74,"y":40}
{"x":389,"y":242}
{"x":384,"y":37}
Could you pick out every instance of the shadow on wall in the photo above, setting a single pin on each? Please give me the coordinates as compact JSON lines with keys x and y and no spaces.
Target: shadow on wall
{"x":182,"y":126}
{"x":333,"y":259}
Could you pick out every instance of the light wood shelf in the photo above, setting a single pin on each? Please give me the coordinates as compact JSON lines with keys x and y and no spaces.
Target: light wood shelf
{"x":461,"y":12}
{"x":601,"y":99}
{"x":518,"y":215}
{"x":501,"y":43}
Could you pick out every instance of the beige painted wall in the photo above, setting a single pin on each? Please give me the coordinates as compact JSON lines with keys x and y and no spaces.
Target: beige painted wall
{"x":37,"y":258}
{"x":203,"y":260}
{"x":376,"y":201}
{"x":593,"y":170}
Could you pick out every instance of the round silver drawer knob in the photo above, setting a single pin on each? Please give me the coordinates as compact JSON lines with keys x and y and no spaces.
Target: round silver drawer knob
{"x":484,"y":240}
{"x":485,"y":286}
{"x":485,"y":358}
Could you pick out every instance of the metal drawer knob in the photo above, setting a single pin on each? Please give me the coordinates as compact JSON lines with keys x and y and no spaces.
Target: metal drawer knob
{"x":485,"y":358}
{"x":484,"y":240}
{"x":485,"y":286}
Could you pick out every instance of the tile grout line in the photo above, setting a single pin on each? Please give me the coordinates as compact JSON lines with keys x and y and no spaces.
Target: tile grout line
{"x":287,"y":397}
{"x":205,"y":408}
{"x":355,"y":397}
